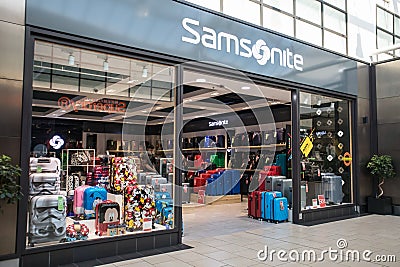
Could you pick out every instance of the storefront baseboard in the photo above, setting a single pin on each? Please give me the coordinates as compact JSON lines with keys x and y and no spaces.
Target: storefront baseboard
{"x":328,"y":215}
{"x":118,"y":250}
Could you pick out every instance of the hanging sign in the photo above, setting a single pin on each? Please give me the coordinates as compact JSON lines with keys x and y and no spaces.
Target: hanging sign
{"x":306,"y":146}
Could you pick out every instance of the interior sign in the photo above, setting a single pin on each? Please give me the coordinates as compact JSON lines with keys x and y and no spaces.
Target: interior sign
{"x":217,"y":123}
{"x":243,"y":47}
{"x":100,"y":105}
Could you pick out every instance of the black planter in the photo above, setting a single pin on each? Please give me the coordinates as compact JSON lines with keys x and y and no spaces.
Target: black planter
{"x":381,"y":206}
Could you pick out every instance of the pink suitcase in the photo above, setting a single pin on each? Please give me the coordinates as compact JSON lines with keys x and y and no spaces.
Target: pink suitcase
{"x":78,"y":200}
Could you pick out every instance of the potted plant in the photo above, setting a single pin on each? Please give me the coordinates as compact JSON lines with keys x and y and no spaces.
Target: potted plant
{"x":10,"y":191}
{"x":382,"y":168}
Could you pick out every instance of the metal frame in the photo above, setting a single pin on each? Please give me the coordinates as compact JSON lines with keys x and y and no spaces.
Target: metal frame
{"x":392,"y":33}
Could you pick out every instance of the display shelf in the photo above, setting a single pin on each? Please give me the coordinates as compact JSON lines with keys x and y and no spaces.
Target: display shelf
{"x":204,"y":148}
{"x":166,"y":150}
{"x":257,"y":147}
{"x":69,"y":155}
{"x":124,"y":151}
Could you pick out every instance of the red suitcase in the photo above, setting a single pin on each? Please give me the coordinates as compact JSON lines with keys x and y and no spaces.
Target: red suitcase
{"x":254,"y":204}
{"x":205,"y":175}
{"x":273,"y":170}
{"x":199,"y":184}
{"x":212,"y":171}
{"x":261,"y":180}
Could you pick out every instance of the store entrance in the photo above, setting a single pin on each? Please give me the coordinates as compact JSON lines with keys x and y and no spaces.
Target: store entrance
{"x":235,"y":139}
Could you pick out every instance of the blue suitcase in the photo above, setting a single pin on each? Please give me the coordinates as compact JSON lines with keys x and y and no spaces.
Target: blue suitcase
{"x":267,"y":200}
{"x":235,"y":182}
{"x":211,"y":188}
{"x":167,"y":215}
{"x":162,"y":203}
{"x":227,"y":181}
{"x":91,"y":197}
{"x":280,"y":209}
{"x":220,"y":185}
{"x":281,"y":161}
{"x":162,"y":195}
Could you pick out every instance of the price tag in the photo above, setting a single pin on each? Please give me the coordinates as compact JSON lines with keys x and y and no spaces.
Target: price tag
{"x":39,"y":169}
{"x":60,"y":204}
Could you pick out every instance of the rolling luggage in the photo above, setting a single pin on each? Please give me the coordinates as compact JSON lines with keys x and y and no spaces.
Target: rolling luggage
{"x":303,"y":196}
{"x":150,"y":176}
{"x":226,"y":178}
{"x":156,"y":182}
{"x":280,"y":209}
{"x":142,"y":178}
{"x":45,"y":165}
{"x":161,"y":195}
{"x":47,"y":216}
{"x":123,"y":173}
{"x":44,"y":181}
{"x":107,"y":216}
{"x":73,"y":181}
{"x":186,"y":193}
{"x":235,"y":182}
{"x":211,"y":187}
{"x":332,"y":188}
{"x":168,"y":217}
{"x":119,"y":199}
{"x":270,"y":182}
{"x":268,"y":200}
{"x":254,"y":204}
{"x":139,"y":203}
{"x":269,"y":137}
{"x":78,"y":200}
{"x":283,"y":185}
{"x":91,"y":197}
{"x":164,"y":202}
{"x":167,"y":187}
{"x":199,"y":184}
{"x":281,"y":162}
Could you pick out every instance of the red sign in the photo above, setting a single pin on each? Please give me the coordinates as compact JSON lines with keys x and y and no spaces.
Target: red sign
{"x":201,"y":197}
{"x":321,"y":201}
{"x":99,"y":105}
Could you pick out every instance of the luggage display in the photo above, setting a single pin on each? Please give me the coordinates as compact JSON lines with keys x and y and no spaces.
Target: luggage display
{"x":226,"y":180}
{"x":235,"y":182}
{"x":303,"y":196}
{"x":141,"y":178}
{"x":156,"y":182}
{"x":167,"y":187}
{"x":47,"y":218}
{"x":283,"y":185}
{"x":220,"y":185}
{"x":150,"y":176}
{"x":168,"y":217}
{"x":45,"y":165}
{"x":269,"y":137}
{"x":91,"y":197}
{"x":199,"y":184}
{"x":332,"y":188}
{"x":44,"y":181}
{"x":100,"y":176}
{"x":163,"y":202}
{"x":280,"y":209}
{"x":314,"y":189}
{"x":273,"y":170}
{"x":123,"y":173}
{"x":270,"y":182}
{"x":186,"y":190}
{"x":78,"y":200}
{"x":254,"y":204}
{"x":267,"y":204}
{"x":161,"y":195}
{"x":107,"y":217}
{"x":281,"y":162}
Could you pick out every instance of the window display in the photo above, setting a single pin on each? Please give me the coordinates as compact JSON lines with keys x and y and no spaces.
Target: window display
{"x":98,"y":167}
{"x":326,"y":164}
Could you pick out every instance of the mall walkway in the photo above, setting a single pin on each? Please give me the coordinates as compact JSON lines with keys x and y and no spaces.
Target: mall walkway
{"x":222,"y":235}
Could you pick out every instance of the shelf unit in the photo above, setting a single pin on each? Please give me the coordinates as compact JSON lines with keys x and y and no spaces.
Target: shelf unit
{"x":66,"y":157}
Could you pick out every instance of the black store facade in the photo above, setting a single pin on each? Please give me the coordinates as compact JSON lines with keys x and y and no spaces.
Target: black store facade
{"x":131,"y":61}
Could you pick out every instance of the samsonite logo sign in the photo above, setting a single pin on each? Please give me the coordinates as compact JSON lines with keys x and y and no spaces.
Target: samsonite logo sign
{"x":243,"y":47}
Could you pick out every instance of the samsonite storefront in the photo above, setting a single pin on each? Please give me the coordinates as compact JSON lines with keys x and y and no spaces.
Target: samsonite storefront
{"x":139,"y":53}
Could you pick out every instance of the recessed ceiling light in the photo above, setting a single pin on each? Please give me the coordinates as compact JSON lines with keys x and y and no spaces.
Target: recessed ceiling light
{"x":132,"y":81}
{"x":215,"y":93}
{"x":112,"y":119}
{"x":144,"y":111}
{"x":111,"y":91}
{"x":123,"y":116}
{"x":245,"y":108}
{"x":158,"y":108}
{"x":53,"y":90}
{"x":201,"y":80}
{"x":245,"y":87}
{"x":63,"y":111}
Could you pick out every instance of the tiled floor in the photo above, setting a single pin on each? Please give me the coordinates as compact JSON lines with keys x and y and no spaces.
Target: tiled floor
{"x":222,"y":235}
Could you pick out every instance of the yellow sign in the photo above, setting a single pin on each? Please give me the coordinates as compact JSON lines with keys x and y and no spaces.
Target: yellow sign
{"x":306,"y":146}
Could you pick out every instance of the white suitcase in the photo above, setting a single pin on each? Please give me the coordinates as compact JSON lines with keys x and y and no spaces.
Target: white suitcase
{"x":45,"y":165}
{"x":44,"y":182}
{"x":156,"y":182}
{"x":167,"y":187}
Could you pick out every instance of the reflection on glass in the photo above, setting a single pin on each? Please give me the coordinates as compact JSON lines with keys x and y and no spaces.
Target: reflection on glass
{"x":334,"y":42}
{"x":308,"y":33}
{"x":309,"y":10}
{"x":100,"y":124}
{"x":384,"y":19}
{"x":277,"y":21}
{"x":326,"y":172}
{"x":334,"y":20}
{"x":243,"y":9}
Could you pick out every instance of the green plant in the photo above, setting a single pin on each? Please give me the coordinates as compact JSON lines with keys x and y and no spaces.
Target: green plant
{"x":9,"y":174}
{"x":382,"y":167}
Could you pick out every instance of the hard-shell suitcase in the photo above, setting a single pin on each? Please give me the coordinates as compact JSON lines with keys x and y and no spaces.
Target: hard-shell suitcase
{"x":283,"y":185}
{"x":186,"y":190}
{"x":205,"y":175}
{"x":150,"y":176}
{"x":118,"y":199}
{"x":270,"y":182}
{"x":44,"y":181}
{"x":281,"y":162}
{"x":199,"y":184}
{"x":91,"y":197}
{"x":220,"y":186}
{"x":72,"y":181}
{"x":235,"y":182}
{"x":273,"y":170}
{"x":78,"y":200}
{"x":168,"y":217}
{"x":254,"y":204}
{"x":211,"y":187}
{"x":280,"y":209}
{"x":156,"y":182}
{"x":123,"y":173}
{"x":268,"y":199}
{"x":167,"y":187}
{"x":107,"y":215}
{"x":161,"y":203}
{"x":47,"y":217}
{"x":161,"y":195}
{"x":142,"y":178}
{"x":45,"y":165}
{"x":139,"y":203}
{"x":332,"y":188}
{"x":226,"y":178}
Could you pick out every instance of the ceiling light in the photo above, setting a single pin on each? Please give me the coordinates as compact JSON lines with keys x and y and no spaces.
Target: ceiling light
{"x":63,"y":111}
{"x":124,"y":116}
{"x":132,"y":81}
{"x":105,"y":65}
{"x":319,"y":102}
{"x":158,"y":108}
{"x":144,"y":111}
{"x":275,"y":102}
{"x":245,"y":108}
{"x":71,"y":60}
{"x":144,"y":72}
{"x":215,"y":93}
{"x":112,"y":119}
{"x":53,"y":90}
{"x":201,"y":80}
{"x":245,"y":87}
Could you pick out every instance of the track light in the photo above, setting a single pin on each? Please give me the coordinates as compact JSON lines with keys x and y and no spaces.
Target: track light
{"x":105,"y":65}
{"x":144,"y":72}
{"x":71,"y":60}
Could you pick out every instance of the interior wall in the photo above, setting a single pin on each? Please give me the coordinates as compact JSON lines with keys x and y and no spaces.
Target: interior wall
{"x":12,"y":32}
{"x":388,"y":113}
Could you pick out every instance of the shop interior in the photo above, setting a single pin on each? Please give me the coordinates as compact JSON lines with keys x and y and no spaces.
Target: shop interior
{"x":103,"y":128}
